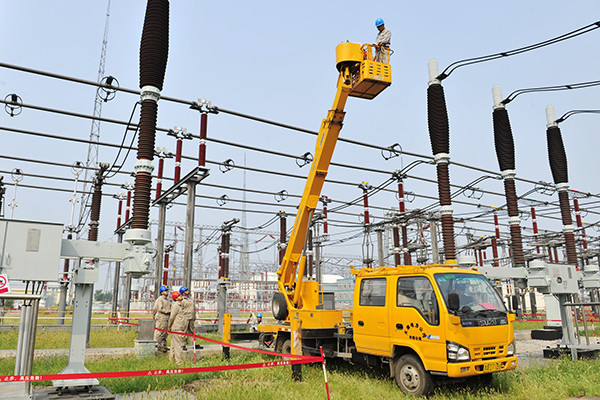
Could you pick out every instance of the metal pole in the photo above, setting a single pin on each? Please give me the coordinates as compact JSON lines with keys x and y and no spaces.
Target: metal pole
{"x":380,"y":257}
{"x":64,"y":288}
{"x":127,"y":298}
{"x":434,"y":244}
{"x":189,"y":234}
{"x":160,"y":247}
{"x":116,"y":283}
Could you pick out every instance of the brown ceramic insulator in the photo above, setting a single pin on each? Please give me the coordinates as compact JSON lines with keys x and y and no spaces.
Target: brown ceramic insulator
{"x":557,"y":155}
{"x":225,"y":263}
{"x":448,"y":234}
{"x":154,"y":48}
{"x":437,"y":119}
{"x":565,"y":212}
{"x":511,"y":197}
{"x":282,"y":236}
{"x":95,"y":211}
{"x":396,"y":246}
{"x":147,"y":134}
{"x":517,"y":246}
{"x":407,"y":257}
{"x":443,"y":177}
{"x":503,"y":140}
{"x":141,"y":201}
{"x":202,"y":149}
{"x":571,"y":249}
{"x":565,"y":207}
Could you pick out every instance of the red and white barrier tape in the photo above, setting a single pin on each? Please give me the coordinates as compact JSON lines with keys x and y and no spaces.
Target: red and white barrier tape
{"x":292,"y":360}
{"x":125,"y":374}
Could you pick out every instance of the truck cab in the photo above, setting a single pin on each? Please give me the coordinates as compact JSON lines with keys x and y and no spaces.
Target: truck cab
{"x":431,"y":321}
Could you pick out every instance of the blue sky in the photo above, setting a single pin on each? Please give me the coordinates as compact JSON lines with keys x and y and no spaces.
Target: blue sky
{"x":276,"y":60}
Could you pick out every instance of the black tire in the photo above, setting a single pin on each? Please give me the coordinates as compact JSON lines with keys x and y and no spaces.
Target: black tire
{"x":411,"y":376}
{"x":279,"y":306}
{"x":287,"y":347}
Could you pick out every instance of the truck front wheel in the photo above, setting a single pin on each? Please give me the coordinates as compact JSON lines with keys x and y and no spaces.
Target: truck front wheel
{"x":411,"y":376}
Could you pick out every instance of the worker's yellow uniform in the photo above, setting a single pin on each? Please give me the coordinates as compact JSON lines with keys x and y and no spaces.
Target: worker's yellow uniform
{"x":161,"y":313}
{"x":177,"y":323}
{"x":189,"y":310}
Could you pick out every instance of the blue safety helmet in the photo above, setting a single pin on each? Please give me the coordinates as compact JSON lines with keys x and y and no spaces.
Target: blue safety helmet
{"x":182,"y":289}
{"x":259,"y":315}
{"x":378,"y":22}
{"x":163,"y":288}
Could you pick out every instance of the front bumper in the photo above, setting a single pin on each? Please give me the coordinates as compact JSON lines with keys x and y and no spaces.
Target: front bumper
{"x":480,"y":367}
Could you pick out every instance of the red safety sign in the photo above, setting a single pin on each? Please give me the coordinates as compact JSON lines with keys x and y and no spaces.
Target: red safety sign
{"x":4,"y":288}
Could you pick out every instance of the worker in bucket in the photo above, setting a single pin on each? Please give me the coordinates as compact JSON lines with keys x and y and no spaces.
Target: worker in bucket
{"x":383,"y":41}
{"x":177,"y":323}
{"x":189,"y":310}
{"x":161,"y":313}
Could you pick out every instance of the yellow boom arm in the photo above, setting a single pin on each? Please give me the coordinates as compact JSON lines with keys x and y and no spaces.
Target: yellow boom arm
{"x":359,"y":76}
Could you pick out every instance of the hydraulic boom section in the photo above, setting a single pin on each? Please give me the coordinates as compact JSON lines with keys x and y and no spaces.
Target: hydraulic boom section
{"x":360,"y":76}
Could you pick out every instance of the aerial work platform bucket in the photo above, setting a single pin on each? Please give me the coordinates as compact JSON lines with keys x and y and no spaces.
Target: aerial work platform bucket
{"x":369,"y":76}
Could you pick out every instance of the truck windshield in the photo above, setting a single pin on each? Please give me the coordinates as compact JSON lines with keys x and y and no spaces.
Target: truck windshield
{"x":474,"y":291}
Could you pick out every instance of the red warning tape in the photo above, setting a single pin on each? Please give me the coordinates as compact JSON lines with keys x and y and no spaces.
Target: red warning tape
{"x":125,"y":374}
{"x":294,"y":359}
{"x":300,"y":357}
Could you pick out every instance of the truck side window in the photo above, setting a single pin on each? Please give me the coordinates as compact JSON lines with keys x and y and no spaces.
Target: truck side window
{"x":417,"y":292}
{"x":372,"y":292}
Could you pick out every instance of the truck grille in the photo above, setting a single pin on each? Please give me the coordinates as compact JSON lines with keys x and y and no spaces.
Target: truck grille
{"x":487,"y":352}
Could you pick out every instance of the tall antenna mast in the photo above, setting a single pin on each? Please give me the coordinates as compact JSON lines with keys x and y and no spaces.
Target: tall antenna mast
{"x":92,"y":158}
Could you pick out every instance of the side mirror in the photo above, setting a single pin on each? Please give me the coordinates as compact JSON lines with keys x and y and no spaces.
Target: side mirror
{"x":453,"y":302}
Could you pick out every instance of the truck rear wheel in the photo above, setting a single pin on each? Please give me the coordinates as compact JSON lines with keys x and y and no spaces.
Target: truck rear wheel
{"x":287,"y":347}
{"x":279,"y":306}
{"x":411,"y":376}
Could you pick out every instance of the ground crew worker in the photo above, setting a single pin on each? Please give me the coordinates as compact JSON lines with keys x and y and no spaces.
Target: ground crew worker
{"x":255,"y":322}
{"x":383,"y":41}
{"x":161,"y":313}
{"x":189,"y":310}
{"x":177,"y":323}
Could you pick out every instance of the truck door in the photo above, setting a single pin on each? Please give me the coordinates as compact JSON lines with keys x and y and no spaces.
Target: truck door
{"x":370,"y":317}
{"x":415,"y":321}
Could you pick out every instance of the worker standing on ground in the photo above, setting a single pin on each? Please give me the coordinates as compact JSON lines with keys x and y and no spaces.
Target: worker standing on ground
{"x":161,"y":314}
{"x":383,"y":41}
{"x":189,"y":310}
{"x":177,"y":323}
{"x":255,"y":322}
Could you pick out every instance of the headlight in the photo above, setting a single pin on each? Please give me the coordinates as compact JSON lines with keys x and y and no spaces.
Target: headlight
{"x":456,"y":352}
{"x":511,"y":350}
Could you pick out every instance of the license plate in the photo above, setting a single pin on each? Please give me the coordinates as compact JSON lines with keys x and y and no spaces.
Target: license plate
{"x":492,"y":367}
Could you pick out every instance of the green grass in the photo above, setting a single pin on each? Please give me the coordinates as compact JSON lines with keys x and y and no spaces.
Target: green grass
{"x":520,"y":325}
{"x":54,"y":339}
{"x":50,"y":317}
{"x":555,"y":379}
{"x":101,"y":338}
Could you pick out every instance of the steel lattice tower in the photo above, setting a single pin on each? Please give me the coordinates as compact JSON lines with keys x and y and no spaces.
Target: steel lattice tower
{"x":92,"y":157}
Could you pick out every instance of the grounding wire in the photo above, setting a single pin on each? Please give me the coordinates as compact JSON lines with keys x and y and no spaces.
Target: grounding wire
{"x":127,"y":128}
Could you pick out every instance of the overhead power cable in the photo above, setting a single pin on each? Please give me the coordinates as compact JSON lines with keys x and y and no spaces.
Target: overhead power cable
{"x":469,"y":61}
{"x":519,"y":92}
